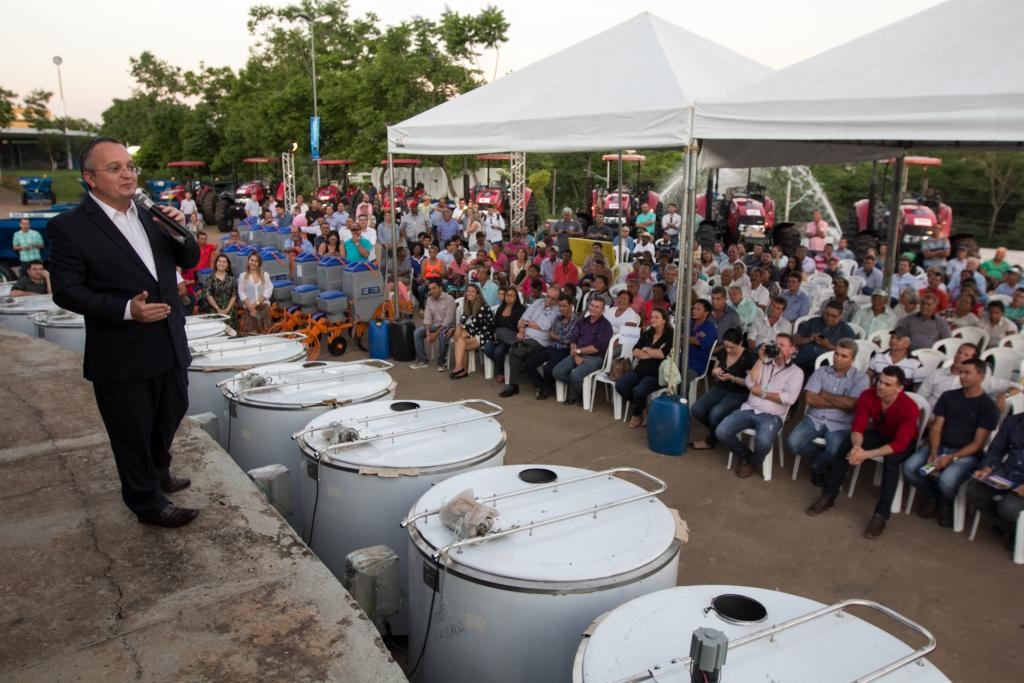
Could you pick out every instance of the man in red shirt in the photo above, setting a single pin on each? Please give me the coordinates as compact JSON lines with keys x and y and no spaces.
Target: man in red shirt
{"x":936,"y":287}
{"x":566,"y":271}
{"x":884,"y":426}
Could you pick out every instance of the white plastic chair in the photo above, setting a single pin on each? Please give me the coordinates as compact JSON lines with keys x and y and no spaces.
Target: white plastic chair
{"x":590,"y":381}
{"x":897,"y":500}
{"x":766,"y":464}
{"x":931,"y":359}
{"x":865,"y":349}
{"x":826,"y":358}
{"x":1013,"y":341}
{"x":821,"y":280}
{"x":975,"y":335}
{"x":801,"y":320}
{"x":948,"y":346}
{"x":691,"y":391}
{"x":881,"y":338}
{"x":856,"y":282}
{"x":1018,"y":539}
{"x":1004,"y":361}
{"x":858,"y":330}
{"x":1005,"y":298}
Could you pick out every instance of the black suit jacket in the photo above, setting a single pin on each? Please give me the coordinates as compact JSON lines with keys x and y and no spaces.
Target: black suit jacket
{"x":94,"y":271}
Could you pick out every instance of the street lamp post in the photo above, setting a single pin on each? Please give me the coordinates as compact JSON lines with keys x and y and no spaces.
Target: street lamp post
{"x":312,"y":49}
{"x":64,"y":111}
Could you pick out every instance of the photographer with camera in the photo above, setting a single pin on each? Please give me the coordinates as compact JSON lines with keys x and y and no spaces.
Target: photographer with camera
{"x":775,"y":383}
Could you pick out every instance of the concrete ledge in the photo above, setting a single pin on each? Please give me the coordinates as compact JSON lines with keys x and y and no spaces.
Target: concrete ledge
{"x":90,"y":594}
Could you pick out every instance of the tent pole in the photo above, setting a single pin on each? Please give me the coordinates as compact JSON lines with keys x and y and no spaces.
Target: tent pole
{"x":684,"y":283}
{"x":397,"y":236}
{"x":895,"y":220}
{"x":618,"y":190}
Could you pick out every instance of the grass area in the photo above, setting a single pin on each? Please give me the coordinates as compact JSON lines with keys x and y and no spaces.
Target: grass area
{"x":65,"y":183}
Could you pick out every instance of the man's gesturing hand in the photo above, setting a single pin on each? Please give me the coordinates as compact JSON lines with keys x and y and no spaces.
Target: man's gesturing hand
{"x":148,"y":313}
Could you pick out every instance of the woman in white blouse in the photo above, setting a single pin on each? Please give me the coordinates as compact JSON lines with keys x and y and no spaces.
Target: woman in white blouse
{"x":254,"y":290}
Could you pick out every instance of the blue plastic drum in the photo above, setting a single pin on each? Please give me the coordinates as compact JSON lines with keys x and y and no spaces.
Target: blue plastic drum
{"x":668,"y":425}
{"x":380,"y":340}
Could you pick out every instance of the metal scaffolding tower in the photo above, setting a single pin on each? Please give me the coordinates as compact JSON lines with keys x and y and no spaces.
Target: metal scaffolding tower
{"x":516,"y":191}
{"x":288,"y":173}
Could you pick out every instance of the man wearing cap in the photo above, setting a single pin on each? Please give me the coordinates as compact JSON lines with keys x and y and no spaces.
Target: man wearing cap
{"x":898,"y":355}
{"x":924,"y":327}
{"x":877,"y":316}
{"x":645,"y":245}
{"x":957,"y":264}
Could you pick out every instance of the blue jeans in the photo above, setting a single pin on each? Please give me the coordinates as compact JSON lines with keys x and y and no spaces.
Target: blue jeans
{"x":713,"y":407}
{"x":572,"y":374}
{"x":766,"y":427}
{"x":636,"y":389}
{"x":944,"y":486}
{"x":801,"y":442}
{"x":419,"y":338}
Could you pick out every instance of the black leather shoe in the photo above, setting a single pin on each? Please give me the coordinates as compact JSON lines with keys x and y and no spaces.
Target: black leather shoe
{"x":875,"y":527}
{"x":510,"y":390}
{"x":169,"y":517}
{"x":945,"y":516}
{"x":540,"y":394}
{"x":823,"y":503}
{"x":570,"y":401}
{"x":173,"y":484}
{"x":929,"y":508}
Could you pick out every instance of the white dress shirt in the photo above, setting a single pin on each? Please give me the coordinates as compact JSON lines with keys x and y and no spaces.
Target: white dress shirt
{"x":130,"y":226}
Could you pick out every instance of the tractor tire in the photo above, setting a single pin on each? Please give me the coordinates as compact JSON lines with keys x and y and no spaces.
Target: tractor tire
{"x":209,"y":207}
{"x":787,"y":238}
{"x":7,"y":273}
{"x":24,"y":198}
{"x":706,"y":236}
{"x":337,"y":345}
{"x":532,"y":215}
{"x":361,"y":340}
{"x":53,"y":198}
{"x":862,"y":242}
{"x":223,"y":214}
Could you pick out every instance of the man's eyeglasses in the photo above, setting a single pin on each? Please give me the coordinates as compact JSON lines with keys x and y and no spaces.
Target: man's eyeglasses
{"x":117,"y":169}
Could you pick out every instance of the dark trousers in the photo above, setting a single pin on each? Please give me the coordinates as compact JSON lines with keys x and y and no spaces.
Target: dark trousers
{"x":1004,"y":504}
{"x":141,"y":419}
{"x":537,"y":366}
{"x":518,"y":355}
{"x":835,"y":472}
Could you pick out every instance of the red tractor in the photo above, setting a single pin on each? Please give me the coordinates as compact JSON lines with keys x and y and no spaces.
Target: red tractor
{"x":746,"y":214}
{"x":337,"y":192}
{"x":624,"y":205}
{"x":258,"y":188}
{"x":205,"y":193}
{"x":402,"y":192}
{"x":496,"y":194}
{"x":923,"y":214}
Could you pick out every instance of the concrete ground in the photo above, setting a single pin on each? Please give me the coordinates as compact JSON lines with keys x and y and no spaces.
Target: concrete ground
{"x":88,"y":594}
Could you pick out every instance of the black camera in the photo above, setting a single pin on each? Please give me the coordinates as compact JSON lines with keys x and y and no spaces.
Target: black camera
{"x":771,"y":351}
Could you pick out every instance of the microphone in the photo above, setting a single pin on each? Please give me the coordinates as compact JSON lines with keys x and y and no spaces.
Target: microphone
{"x":143,"y":200}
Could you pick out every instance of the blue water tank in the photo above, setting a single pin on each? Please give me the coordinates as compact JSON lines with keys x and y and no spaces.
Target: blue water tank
{"x":380,"y":340}
{"x":668,"y":424}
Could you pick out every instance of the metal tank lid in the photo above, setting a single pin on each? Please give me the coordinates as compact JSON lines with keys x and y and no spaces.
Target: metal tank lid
{"x":31,"y":303}
{"x":219,"y":353}
{"x":654,"y":631}
{"x":58,"y":318}
{"x":593,"y":526}
{"x":308,"y":384}
{"x":202,"y":326}
{"x":404,"y":437}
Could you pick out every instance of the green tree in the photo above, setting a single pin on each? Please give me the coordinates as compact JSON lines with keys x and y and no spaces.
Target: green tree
{"x":1005,"y":175}
{"x":6,"y":106}
{"x":37,"y":115}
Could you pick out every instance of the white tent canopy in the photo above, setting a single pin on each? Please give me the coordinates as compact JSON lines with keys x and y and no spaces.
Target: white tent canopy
{"x":948,"y":76}
{"x":630,"y":87}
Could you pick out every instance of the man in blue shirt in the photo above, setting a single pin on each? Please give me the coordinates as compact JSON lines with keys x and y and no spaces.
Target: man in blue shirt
{"x":872,"y":276}
{"x":831,"y":394}
{"x":820,"y":335}
{"x":588,"y":344}
{"x":298,"y":243}
{"x":447,"y":227}
{"x":798,"y":304}
{"x":703,"y":336}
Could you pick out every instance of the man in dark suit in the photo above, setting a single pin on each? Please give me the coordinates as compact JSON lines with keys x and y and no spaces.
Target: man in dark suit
{"x":111,"y":262}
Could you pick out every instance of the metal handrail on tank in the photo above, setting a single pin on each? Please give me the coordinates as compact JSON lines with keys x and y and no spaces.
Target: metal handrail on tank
{"x":18,"y":303}
{"x":372,"y":365}
{"x":201,"y":348}
{"x":685,"y":663}
{"x":661,"y":486}
{"x":495,"y":410}
{"x":206,"y":318}
{"x":57,"y":316}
